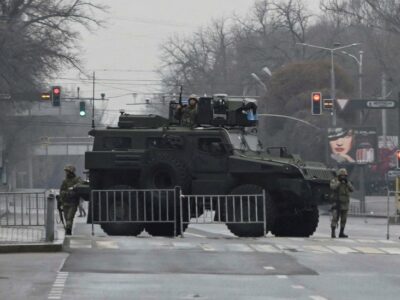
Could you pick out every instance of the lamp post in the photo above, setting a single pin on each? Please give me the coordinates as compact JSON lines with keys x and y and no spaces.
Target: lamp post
{"x":333,"y":82}
{"x":359,"y":62}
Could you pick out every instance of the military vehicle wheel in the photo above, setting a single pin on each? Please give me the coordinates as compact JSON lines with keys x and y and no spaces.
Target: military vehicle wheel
{"x":233,"y":213}
{"x":165,"y":171}
{"x":301,"y":225}
{"x":120,"y":212}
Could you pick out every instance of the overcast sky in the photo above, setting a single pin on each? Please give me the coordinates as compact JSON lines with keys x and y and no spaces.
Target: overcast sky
{"x":134,"y":31}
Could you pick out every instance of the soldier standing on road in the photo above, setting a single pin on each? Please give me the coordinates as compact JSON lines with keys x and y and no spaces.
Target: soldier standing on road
{"x":187,"y":114}
{"x":69,"y":199}
{"x":341,"y":188}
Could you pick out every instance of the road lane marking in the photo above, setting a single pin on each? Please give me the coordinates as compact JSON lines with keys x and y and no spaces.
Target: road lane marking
{"x":368,"y":250}
{"x":390,"y":250}
{"x":107,"y":245}
{"x":80,"y":244}
{"x":57,"y":289}
{"x":318,"y":298}
{"x":387,"y":242}
{"x":265,"y":248}
{"x":367,"y":241}
{"x":194,"y":234}
{"x":269,"y":268}
{"x":282,"y":276}
{"x":184,"y":245}
{"x":317,"y":249}
{"x":342,"y":250}
{"x":238,"y":248}
{"x":207,"y":247}
{"x":298,"y":287}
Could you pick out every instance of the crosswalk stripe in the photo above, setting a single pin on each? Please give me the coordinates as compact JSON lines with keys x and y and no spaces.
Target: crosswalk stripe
{"x":184,"y":245}
{"x":391,"y":250}
{"x":368,"y":250}
{"x":265,"y":248}
{"x":238,"y":248}
{"x":341,"y":249}
{"x":80,"y":244}
{"x":318,"y":249}
{"x":367,"y":241}
{"x":207,"y":247}
{"x":107,"y":244}
{"x":386,"y":242}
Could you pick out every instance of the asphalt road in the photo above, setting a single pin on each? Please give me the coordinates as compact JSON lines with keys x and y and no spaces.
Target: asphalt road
{"x":210,"y":263}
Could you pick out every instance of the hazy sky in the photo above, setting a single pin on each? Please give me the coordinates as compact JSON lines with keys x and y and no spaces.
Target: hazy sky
{"x":134,"y":31}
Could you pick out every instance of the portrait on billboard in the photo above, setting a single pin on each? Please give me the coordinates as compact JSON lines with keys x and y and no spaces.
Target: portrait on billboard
{"x":352,"y":145}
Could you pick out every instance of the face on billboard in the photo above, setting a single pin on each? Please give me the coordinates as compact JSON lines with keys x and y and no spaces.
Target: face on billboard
{"x":355,"y":145}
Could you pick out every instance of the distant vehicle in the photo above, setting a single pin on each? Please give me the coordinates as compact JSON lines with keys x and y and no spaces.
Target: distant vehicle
{"x":221,"y":155}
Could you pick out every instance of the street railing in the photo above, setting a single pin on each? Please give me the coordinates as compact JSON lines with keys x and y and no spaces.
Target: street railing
{"x":223,"y":209}
{"x":26,"y":216}
{"x":134,"y":206}
{"x":148,"y":206}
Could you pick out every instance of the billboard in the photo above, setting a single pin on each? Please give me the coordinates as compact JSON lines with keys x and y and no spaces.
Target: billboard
{"x":353,"y":145}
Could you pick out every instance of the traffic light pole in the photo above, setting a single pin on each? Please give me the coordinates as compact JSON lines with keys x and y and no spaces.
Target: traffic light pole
{"x":94,"y":78}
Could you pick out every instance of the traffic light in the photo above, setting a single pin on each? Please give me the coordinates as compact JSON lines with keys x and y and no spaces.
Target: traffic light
{"x":82,"y":108}
{"x":56,"y":95}
{"x":316,"y":103}
{"x":398,"y":159}
{"x":45,"y":96}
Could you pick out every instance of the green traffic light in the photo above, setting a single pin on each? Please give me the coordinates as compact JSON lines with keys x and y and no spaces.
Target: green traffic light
{"x":82,"y":113}
{"x":82,"y":108}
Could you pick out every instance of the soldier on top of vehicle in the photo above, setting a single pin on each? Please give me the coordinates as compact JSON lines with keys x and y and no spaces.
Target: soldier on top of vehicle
{"x":69,"y":199}
{"x":186,"y":114}
{"x":341,"y":188}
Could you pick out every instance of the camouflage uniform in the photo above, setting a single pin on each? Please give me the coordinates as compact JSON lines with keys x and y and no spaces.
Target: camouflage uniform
{"x":341,"y":189}
{"x":187,"y":114}
{"x":69,"y":200}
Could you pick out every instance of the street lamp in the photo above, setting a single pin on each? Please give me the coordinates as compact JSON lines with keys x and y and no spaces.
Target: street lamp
{"x":359,"y":62}
{"x":333,"y":82}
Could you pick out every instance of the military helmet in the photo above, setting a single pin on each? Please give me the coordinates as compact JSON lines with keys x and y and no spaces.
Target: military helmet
{"x":342,"y":172}
{"x":194,"y":97}
{"x":70,"y":168}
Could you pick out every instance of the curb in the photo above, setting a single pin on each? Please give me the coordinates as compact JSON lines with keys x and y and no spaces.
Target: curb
{"x":33,"y":247}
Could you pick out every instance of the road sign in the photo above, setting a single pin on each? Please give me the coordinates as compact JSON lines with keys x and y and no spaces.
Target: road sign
{"x":342,"y":103}
{"x":328,"y":104}
{"x":382,"y":104}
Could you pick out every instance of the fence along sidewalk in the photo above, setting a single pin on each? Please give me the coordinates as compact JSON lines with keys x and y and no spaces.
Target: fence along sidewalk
{"x":22,"y":216}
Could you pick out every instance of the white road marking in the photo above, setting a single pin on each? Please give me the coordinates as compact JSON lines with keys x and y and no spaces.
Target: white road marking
{"x":80,"y":244}
{"x":58,"y":285}
{"x":368,"y":250}
{"x":390,"y":250}
{"x":269,"y":268}
{"x":107,"y":245}
{"x":298,"y":287}
{"x":207,"y":247}
{"x":367,"y":241}
{"x":184,"y":245}
{"x":318,"y":298}
{"x":194,"y":234}
{"x":281,"y":276}
{"x":387,"y":242}
{"x":342,"y":250}
{"x":317,"y":249}
{"x":265,"y":248}
{"x":238,"y":248}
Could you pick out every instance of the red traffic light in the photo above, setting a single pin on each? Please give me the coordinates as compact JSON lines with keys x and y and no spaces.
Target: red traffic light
{"x":316,"y":97}
{"x":398,"y":159}
{"x":56,"y":91}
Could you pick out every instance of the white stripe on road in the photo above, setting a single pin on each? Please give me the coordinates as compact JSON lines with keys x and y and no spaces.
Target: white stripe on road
{"x":269,"y":268}
{"x":265,"y":248}
{"x":297,"y":287}
{"x":207,"y":247}
{"x":342,"y":250}
{"x":238,"y":248}
{"x":281,"y":276}
{"x":391,"y":250}
{"x":318,"y":298}
{"x":184,"y":245}
{"x":195,"y":234}
{"x":106,"y":245}
{"x":317,"y":249}
{"x":368,"y":250}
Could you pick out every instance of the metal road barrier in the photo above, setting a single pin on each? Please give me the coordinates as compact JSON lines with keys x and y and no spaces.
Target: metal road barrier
{"x":393,"y":218}
{"x":134,"y":206}
{"x":25,"y":217}
{"x":222,"y":209}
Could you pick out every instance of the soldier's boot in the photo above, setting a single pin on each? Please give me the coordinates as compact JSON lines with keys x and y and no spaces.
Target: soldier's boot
{"x":68,"y":231}
{"x":341,"y":234}
{"x":333,"y":232}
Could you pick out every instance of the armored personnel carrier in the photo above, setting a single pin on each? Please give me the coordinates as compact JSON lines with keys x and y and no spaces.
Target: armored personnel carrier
{"x":221,"y":155}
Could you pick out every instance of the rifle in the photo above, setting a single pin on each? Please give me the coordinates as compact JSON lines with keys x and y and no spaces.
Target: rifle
{"x":60,"y":210}
{"x":178,"y":113}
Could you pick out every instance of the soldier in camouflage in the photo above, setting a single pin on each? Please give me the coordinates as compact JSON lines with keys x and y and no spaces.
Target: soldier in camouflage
{"x":187,"y":114}
{"x":341,"y":188}
{"x":69,"y":200}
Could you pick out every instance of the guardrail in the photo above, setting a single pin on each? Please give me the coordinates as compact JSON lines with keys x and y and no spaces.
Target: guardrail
{"x":170,"y":206}
{"x":26,"y":216}
{"x":228,"y":209}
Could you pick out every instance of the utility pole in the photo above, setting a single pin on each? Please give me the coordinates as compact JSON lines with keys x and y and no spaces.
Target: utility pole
{"x":384,"y":112}
{"x":94,"y":79}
